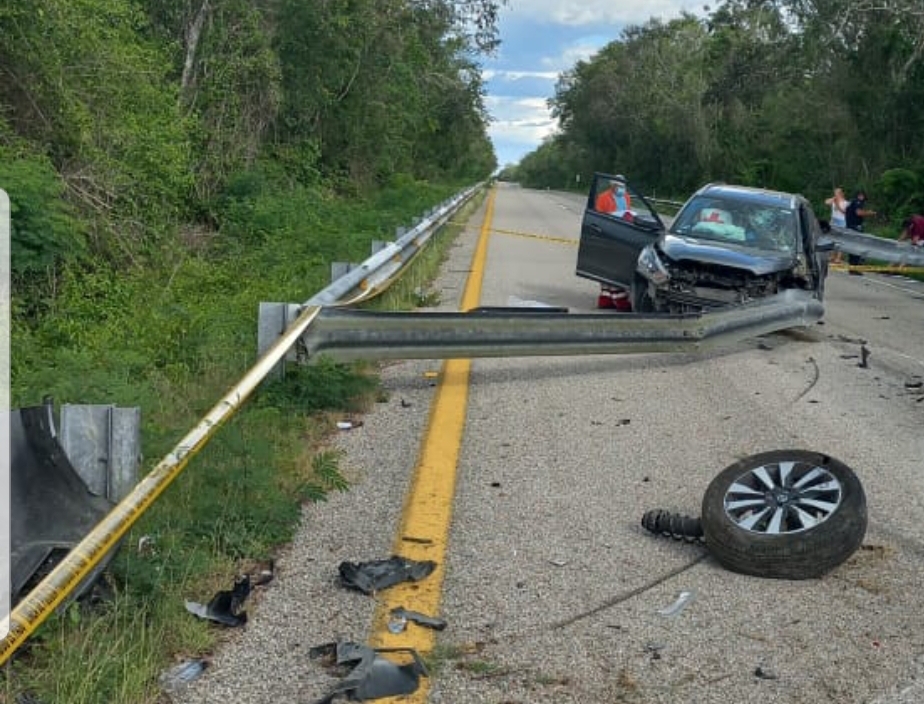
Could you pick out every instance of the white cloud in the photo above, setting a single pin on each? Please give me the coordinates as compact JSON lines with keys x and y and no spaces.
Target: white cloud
{"x":518,"y":75}
{"x":596,"y":12}
{"x":570,"y":55}
{"x":519,"y":121}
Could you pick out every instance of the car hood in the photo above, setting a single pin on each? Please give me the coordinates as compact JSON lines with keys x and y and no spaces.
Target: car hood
{"x":758,"y":261}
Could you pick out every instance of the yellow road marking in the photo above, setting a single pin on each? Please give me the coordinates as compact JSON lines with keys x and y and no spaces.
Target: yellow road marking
{"x":428,"y":507}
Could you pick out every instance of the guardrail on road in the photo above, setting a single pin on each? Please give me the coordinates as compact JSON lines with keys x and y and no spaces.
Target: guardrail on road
{"x":349,"y":334}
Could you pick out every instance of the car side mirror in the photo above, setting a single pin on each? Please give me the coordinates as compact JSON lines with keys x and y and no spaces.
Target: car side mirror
{"x":646,"y":221}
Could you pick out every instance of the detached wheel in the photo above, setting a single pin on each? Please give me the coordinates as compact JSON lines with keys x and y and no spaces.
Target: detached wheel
{"x":787,"y":514}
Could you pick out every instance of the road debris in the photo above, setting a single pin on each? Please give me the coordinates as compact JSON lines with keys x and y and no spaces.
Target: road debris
{"x":400,"y":613}
{"x":373,"y":677}
{"x":683,"y":600}
{"x":180,"y":675}
{"x":673,"y":525}
{"x":225,"y":607}
{"x":370,"y":577}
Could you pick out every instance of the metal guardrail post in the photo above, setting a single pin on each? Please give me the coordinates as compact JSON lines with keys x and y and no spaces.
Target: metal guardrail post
{"x":103,"y":443}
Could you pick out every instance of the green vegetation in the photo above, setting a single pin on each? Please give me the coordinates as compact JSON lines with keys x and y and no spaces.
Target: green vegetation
{"x":787,"y":94}
{"x":170,"y":164}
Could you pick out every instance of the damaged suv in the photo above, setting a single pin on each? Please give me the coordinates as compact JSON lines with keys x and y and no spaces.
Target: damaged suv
{"x":726,"y":246}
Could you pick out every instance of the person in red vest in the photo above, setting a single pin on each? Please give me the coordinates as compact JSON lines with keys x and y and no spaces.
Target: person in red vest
{"x":615,"y":200}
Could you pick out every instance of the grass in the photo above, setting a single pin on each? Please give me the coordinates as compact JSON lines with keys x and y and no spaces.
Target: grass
{"x":172,"y":338}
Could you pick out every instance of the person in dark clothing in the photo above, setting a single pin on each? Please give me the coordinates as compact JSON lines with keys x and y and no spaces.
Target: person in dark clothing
{"x":854,"y":215}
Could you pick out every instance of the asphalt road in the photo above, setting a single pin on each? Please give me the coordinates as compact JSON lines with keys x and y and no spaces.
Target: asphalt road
{"x":551,"y":589}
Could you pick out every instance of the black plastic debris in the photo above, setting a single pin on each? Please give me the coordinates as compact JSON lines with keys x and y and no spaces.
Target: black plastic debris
{"x":437,"y":624}
{"x":226,"y":606}
{"x":370,"y":577}
{"x":372,"y":676}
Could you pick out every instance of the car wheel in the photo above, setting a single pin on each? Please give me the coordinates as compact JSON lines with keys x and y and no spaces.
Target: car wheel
{"x":788,"y":514}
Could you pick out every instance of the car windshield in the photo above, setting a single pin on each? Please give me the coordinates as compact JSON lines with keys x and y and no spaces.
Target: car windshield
{"x":738,"y":222}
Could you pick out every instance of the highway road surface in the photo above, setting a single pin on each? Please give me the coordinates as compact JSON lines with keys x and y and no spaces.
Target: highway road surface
{"x":525,"y":481}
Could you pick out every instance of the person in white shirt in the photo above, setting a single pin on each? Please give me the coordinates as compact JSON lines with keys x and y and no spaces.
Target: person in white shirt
{"x":838,"y":203}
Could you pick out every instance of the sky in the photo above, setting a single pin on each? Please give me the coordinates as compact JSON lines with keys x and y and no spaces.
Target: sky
{"x":539,"y":40}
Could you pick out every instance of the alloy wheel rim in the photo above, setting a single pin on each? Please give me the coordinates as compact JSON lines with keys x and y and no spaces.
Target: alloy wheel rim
{"x":781,"y":498}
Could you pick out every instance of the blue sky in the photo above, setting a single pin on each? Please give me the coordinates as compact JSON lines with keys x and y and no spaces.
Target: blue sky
{"x":542,"y":38}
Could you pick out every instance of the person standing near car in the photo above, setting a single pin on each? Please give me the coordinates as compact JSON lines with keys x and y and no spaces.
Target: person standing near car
{"x":838,"y":203}
{"x":615,"y":200}
{"x":854,"y":215}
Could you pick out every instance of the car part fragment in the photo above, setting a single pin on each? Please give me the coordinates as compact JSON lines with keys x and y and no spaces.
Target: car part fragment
{"x":437,"y":624}
{"x":226,"y":606}
{"x":370,"y":577}
{"x":373,"y":676}
{"x":788,"y":514}
{"x":673,"y":525}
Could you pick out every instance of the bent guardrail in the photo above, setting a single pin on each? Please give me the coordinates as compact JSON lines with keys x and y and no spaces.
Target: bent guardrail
{"x":346,"y":334}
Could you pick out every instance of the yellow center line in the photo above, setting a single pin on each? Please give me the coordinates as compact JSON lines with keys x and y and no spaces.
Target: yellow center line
{"x":424,"y":530}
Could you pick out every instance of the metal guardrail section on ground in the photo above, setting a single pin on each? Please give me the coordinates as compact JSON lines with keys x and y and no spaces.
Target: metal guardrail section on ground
{"x":877,"y":248}
{"x":348,"y":334}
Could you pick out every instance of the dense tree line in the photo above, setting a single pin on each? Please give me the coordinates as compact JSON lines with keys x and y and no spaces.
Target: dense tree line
{"x":800,"y":95}
{"x":120,"y":120}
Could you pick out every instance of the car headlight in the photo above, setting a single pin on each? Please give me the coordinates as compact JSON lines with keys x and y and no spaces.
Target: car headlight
{"x":649,"y":265}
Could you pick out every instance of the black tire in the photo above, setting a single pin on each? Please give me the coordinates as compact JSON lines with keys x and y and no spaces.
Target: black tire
{"x":786,"y":514}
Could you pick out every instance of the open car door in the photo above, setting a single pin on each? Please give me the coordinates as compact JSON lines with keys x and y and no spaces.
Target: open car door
{"x":618,"y":223}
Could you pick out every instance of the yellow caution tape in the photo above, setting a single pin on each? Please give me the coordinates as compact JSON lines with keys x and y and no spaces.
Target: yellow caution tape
{"x":532,"y":235}
{"x":880,"y":268}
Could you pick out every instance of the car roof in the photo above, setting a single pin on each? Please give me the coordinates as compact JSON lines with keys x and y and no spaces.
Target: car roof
{"x":749,"y":194}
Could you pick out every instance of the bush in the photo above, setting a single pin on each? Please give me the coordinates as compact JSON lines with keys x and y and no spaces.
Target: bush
{"x":44,"y":231}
